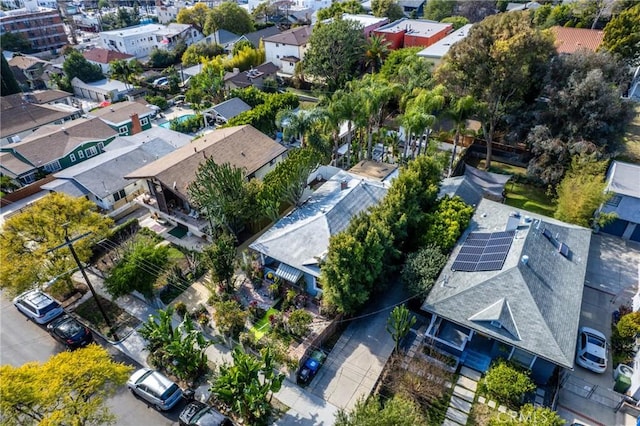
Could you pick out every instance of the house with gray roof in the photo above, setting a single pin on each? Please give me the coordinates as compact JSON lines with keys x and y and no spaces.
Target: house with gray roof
{"x":237,"y":79}
{"x":512,"y":288}
{"x":293,"y":248}
{"x":228,"y":109}
{"x":286,"y":49}
{"x":101,"y":178}
{"x":474,"y":185}
{"x":101,"y":90}
{"x":257,"y":36}
{"x":623,"y":183}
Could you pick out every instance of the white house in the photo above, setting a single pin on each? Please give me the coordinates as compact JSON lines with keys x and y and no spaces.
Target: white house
{"x":102,"y":90}
{"x":138,"y":41}
{"x":437,"y":50}
{"x":169,"y":36}
{"x":368,"y":22}
{"x":286,"y":49}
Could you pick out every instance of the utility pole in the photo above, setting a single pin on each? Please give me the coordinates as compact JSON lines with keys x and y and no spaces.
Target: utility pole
{"x":69,"y":243}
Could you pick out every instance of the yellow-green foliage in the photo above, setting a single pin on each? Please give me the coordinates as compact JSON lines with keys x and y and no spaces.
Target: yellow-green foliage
{"x":629,"y":325}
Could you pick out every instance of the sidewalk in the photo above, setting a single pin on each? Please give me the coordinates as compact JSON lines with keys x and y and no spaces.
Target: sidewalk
{"x":305,"y":408}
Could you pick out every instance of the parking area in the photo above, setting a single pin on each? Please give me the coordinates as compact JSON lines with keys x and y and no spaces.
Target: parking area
{"x":611,"y":280}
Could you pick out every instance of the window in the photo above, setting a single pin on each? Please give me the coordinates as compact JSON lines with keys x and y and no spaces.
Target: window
{"x":80,"y":154}
{"x":119,"y":195}
{"x":72,"y":157}
{"x":53,"y":166}
{"x":91,"y":151}
{"x":523,"y":358}
{"x":144,"y":121}
{"x":123,"y":130}
{"x":101,"y":146}
{"x":272,"y":162}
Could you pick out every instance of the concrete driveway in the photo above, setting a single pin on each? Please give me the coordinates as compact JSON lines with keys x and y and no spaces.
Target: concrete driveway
{"x":611,"y":280}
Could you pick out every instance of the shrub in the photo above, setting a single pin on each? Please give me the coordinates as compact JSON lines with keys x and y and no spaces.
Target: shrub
{"x":629,"y":325}
{"x":158,"y":101}
{"x":181,"y":309}
{"x":299,"y":322}
{"x":507,"y":385}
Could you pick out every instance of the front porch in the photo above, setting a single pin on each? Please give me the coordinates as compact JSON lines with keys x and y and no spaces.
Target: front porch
{"x":195,"y":224}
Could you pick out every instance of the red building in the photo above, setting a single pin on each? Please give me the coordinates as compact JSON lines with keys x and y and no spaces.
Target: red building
{"x":42,"y":27}
{"x":413,"y":32}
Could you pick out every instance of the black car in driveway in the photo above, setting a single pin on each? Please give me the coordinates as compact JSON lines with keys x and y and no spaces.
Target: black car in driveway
{"x":198,"y":414}
{"x":71,"y":333}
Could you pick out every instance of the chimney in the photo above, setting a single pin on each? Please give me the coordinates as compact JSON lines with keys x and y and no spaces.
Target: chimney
{"x":136,"y":127}
{"x":236,"y":71}
{"x":344,"y":184}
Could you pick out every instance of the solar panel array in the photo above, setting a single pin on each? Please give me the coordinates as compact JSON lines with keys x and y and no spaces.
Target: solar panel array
{"x":484,"y":251}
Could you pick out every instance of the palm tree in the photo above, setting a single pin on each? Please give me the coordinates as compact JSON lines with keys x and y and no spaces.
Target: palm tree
{"x":375,"y":93}
{"x":376,"y":50}
{"x":298,"y":122}
{"x":426,"y":103}
{"x":344,"y":107}
{"x":459,"y":111}
{"x":125,"y":70}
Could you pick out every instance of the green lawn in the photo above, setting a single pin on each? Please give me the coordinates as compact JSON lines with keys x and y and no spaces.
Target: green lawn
{"x":263,"y":326}
{"x":530,"y":198}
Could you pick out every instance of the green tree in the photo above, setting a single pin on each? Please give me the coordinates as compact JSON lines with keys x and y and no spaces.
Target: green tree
{"x":75,"y":65}
{"x":263,"y":116}
{"x":9,"y":83}
{"x":376,"y":50}
{"x":529,"y":416}
{"x":159,"y":101}
{"x":397,"y":411}
{"x":207,"y":87}
{"x":263,"y":11}
{"x":457,"y":21}
{"x":125,"y":71}
{"x":437,"y":10}
{"x":140,"y":266}
{"x":246,"y":385}
{"x":194,"y":53}
{"x":15,"y":42}
{"x":299,"y":322}
{"x":421,"y":269}
{"x":343,"y":106}
{"x":629,"y":325}
{"x":229,"y":317}
{"x":196,"y":16}
{"x":178,"y":350}
{"x":399,"y":324}
{"x":387,"y":8}
{"x":459,"y":110}
{"x":581,"y":193}
{"x":220,"y":258}
{"x":229,"y":16}
{"x":28,"y":236}
{"x":622,"y":35}
{"x":298,"y":123}
{"x":338,"y":8}
{"x":69,"y":388}
{"x":507,"y":384}
{"x":335,"y":52}
{"x":242,"y":44}
{"x":482,"y":65}
{"x":447,"y":222}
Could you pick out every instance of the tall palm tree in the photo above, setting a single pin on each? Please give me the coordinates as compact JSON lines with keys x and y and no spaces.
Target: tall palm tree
{"x":376,"y":50}
{"x":460,"y":110}
{"x":298,"y":122}
{"x":427,"y":102}
{"x":124,"y":70}
{"x":375,"y":93}
{"x":344,"y":107}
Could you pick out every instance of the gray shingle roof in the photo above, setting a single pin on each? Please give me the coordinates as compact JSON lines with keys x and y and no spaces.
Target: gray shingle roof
{"x":302,"y":237}
{"x":544,"y":295}
{"x":623,"y":179}
{"x":255,"y":37}
{"x":231,"y":108}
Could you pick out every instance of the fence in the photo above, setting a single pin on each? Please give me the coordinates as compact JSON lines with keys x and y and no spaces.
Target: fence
{"x":595,"y":393}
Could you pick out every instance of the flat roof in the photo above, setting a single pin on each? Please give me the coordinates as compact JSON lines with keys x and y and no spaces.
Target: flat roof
{"x":441,"y":47}
{"x":418,"y":27}
{"x":140,"y":29}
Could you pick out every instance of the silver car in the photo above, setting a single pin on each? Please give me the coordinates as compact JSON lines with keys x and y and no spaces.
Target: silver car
{"x":38,"y":306}
{"x":155,"y":388}
{"x":592,"y":350}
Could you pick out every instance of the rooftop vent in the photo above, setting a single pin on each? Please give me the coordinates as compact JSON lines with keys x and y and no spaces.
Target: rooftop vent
{"x":344,"y":184}
{"x":525,"y":259}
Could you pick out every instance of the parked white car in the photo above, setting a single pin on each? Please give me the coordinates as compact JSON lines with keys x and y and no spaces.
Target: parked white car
{"x":155,"y":388}
{"x":592,"y":350}
{"x":38,"y":306}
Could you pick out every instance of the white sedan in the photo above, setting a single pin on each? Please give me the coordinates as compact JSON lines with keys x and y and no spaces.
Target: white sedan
{"x":592,"y":350}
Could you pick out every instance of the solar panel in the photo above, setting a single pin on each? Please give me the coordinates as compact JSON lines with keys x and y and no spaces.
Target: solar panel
{"x":483,"y":251}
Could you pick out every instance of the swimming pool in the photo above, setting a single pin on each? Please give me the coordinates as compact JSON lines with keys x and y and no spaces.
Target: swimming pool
{"x":181,"y":119}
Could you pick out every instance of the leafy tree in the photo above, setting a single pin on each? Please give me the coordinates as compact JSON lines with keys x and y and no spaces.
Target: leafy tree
{"x":138,"y":269}
{"x":397,"y":411}
{"x":207,"y":87}
{"x":459,"y":110}
{"x":529,"y":416}
{"x":263,"y":11}
{"x":229,"y":16}
{"x":69,"y":388}
{"x":179,"y":350}
{"x":622,"y":35}
{"x":447,"y":222}
{"x":237,"y":47}
{"x":299,"y":321}
{"x":9,"y":84}
{"x":376,"y":50}
{"x":124,"y":70}
{"x":220,"y":191}
{"x":159,"y":101}
{"x":422,"y":268}
{"x":399,"y":324}
{"x":507,"y":384}
{"x":194,"y":53}
{"x":335,"y":51}
{"x":196,"y":16}
{"x":551,"y":156}
{"x":482,"y":65}
{"x":437,"y":10}
{"x":343,"y":106}
{"x":246,"y":385}
{"x":298,"y":123}
{"x":263,"y":116}
{"x":7,"y":184}
{"x":229,"y":317}
{"x":629,"y":325}
{"x":338,"y":8}
{"x":15,"y":42}
{"x":220,"y":257}
{"x":476,"y":11}
{"x":581,"y":192}
{"x":389,"y":8}
{"x":75,"y":65}
{"x":457,"y":21}
{"x":27,"y":237}
{"x":162,"y":58}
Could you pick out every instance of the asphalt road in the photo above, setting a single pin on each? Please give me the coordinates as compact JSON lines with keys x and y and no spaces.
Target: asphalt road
{"x":22,"y":341}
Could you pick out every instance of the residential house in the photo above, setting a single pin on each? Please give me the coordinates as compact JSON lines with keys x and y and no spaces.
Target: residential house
{"x":369,"y":23}
{"x":257,"y":36}
{"x":532,"y":5}
{"x":412,"y":8}
{"x":253,"y":77}
{"x":437,"y":50}
{"x":173,"y":34}
{"x":286,"y":49}
{"x":41,"y":27}
{"x":101,"y":178}
{"x":623,"y":183}
{"x":168,"y":178}
{"x":127,"y":118}
{"x":294,"y":247}
{"x":19,"y":118}
{"x":101,"y":90}
{"x":224,"y":38}
{"x":512,"y":288}
{"x":167,"y":14}
{"x":55,"y":147}
{"x":474,"y":185}
{"x":42,"y":97}
{"x":103,"y":57}
{"x":29,"y":71}
{"x":138,"y":41}
{"x":228,"y":109}
{"x":413,"y":32}
{"x":570,"y":40}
